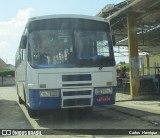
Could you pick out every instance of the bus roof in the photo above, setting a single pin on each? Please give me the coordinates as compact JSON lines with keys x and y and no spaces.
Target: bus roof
{"x":67,"y":16}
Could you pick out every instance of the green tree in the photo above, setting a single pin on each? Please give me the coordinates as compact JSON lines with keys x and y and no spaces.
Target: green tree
{"x":123,"y":65}
{"x":6,"y":71}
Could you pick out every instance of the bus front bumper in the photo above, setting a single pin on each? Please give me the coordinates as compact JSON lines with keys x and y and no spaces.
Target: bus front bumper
{"x":36,"y":102}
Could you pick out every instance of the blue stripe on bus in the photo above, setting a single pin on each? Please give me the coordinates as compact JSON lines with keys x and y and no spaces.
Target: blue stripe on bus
{"x":36,"y":102}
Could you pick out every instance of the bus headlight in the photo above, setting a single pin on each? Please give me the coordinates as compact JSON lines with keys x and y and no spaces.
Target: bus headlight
{"x":99,"y":91}
{"x":49,"y":93}
{"x":44,"y":93}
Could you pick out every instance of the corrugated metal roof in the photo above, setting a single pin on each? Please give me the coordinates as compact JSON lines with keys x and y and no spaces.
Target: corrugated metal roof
{"x":148,"y":23}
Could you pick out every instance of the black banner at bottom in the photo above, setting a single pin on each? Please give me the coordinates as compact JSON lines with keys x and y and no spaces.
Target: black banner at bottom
{"x":9,"y":132}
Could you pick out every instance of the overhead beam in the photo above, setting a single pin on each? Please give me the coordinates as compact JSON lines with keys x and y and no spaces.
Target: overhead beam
{"x":136,"y":5}
{"x":147,"y":64}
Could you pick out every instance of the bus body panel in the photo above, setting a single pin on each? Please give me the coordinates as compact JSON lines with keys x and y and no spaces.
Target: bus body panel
{"x":36,"y":102}
{"x":75,"y":90}
{"x":89,"y":81}
{"x":55,"y":80}
{"x":20,"y":76}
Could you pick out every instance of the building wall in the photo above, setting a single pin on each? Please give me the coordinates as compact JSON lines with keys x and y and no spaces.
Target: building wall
{"x":154,"y":61}
{"x":7,"y":81}
{"x":2,"y":63}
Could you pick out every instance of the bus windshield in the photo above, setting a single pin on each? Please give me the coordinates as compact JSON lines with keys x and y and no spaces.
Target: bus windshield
{"x":69,"y":45}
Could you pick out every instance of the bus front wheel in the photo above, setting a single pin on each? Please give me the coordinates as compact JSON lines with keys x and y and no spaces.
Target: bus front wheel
{"x":20,"y":100}
{"x":32,"y":113}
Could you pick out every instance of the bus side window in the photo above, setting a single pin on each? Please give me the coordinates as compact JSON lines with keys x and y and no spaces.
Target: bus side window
{"x":22,"y":54}
{"x":18,"y":58}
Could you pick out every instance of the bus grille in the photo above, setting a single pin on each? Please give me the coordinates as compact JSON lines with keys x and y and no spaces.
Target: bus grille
{"x":77,"y":97}
{"x":74,"y":93}
{"x":69,"y":85}
{"x":77,"y":77}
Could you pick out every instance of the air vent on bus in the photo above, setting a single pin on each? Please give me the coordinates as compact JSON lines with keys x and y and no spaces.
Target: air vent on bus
{"x":77,"y":77}
{"x":77,"y":97}
{"x":77,"y":93}
{"x":83,"y":84}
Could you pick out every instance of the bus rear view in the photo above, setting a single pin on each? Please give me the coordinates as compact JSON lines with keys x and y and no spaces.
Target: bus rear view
{"x":65,"y":61}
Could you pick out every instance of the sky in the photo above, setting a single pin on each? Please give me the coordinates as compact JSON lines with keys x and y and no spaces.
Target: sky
{"x":15,"y":13}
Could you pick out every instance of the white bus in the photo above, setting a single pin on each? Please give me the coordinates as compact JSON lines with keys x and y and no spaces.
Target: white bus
{"x":65,"y":61}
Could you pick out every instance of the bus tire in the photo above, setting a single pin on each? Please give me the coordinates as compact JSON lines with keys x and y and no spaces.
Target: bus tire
{"x":32,"y":113}
{"x":20,"y":100}
{"x":89,"y":109}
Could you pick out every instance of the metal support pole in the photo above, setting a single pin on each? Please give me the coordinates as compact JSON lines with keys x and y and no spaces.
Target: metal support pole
{"x":133,"y":54}
{"x":147,"y":64}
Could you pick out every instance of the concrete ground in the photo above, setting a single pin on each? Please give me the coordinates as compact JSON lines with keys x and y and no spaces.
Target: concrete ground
{"x":9,"y":116}
{"x":148,"y":103}
{"x":138,"y":113}
{"x":10,"y":111}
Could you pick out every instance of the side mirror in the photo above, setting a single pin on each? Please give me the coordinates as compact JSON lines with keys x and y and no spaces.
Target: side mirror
{"x":23,"y":42}
{"x":113,"y":40}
